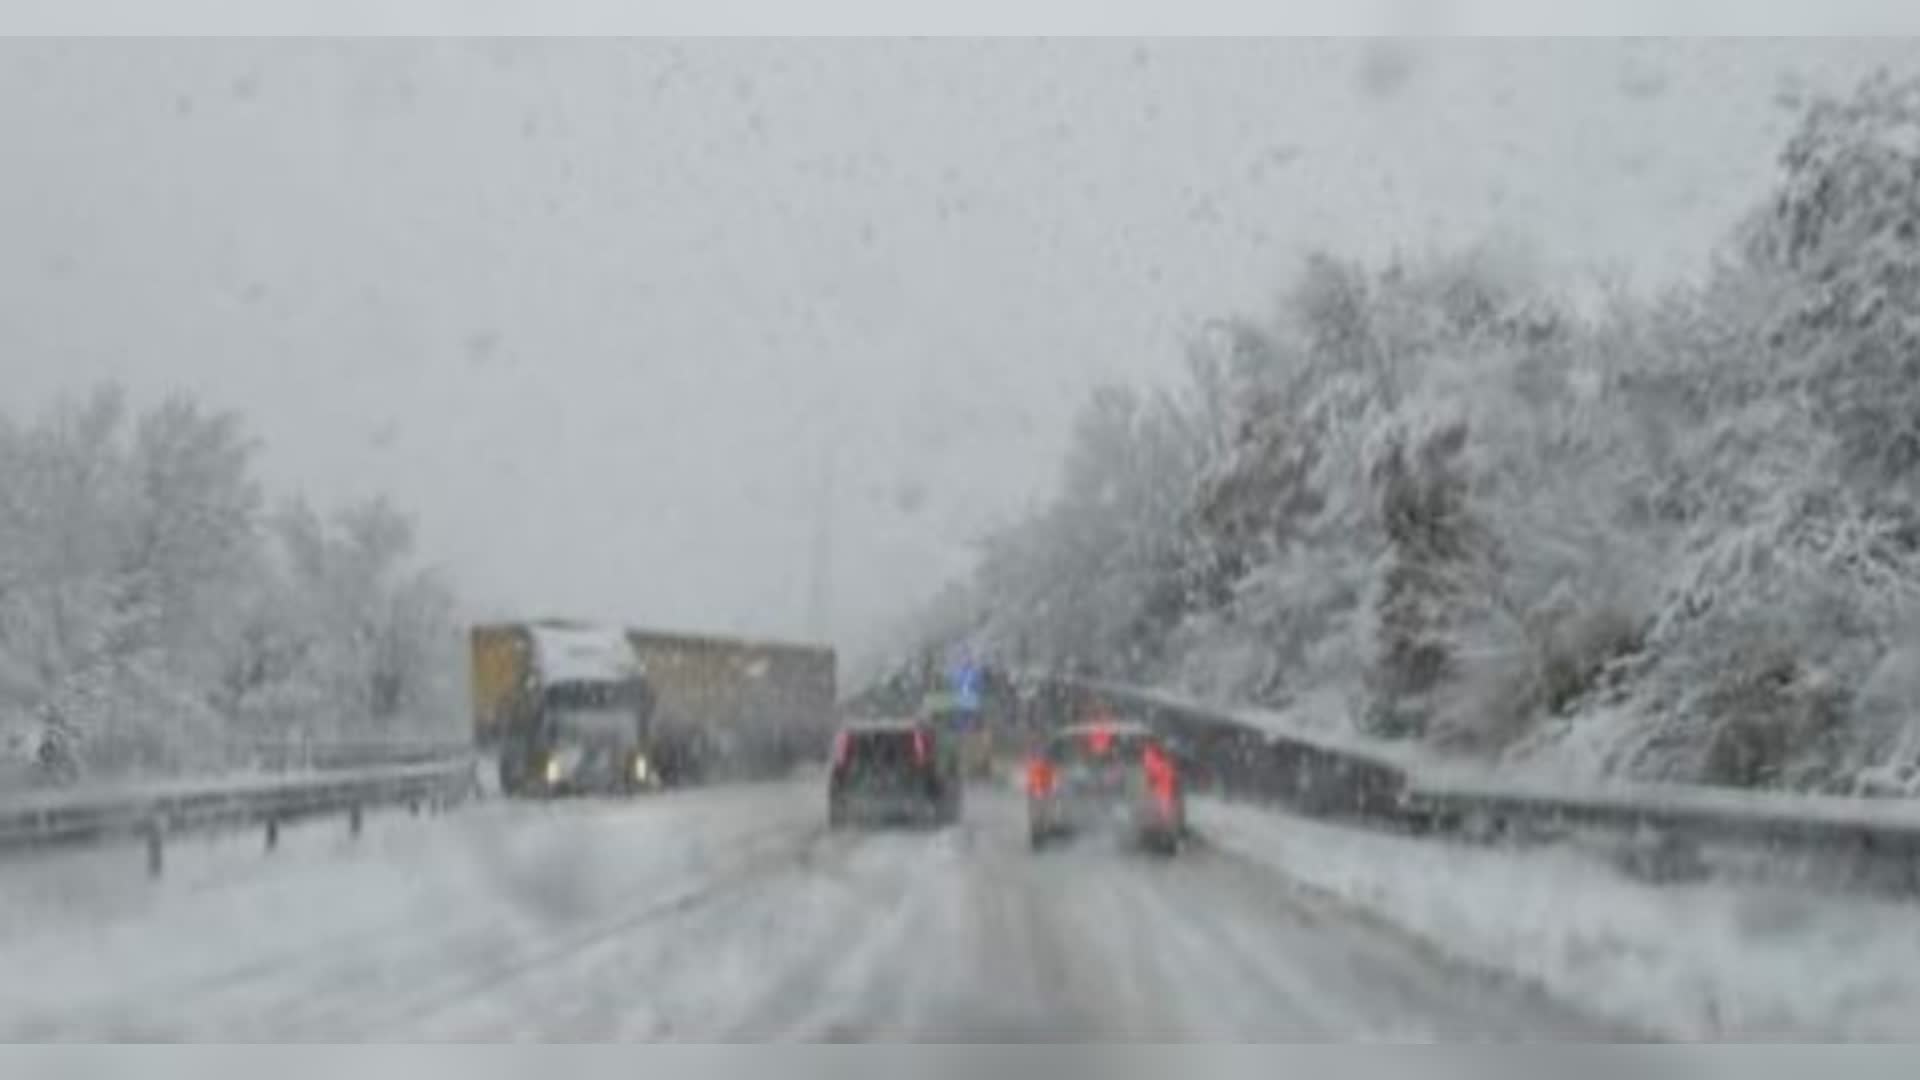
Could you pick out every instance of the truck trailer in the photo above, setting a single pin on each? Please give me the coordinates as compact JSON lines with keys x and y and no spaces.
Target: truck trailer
{"x":736,"y":708}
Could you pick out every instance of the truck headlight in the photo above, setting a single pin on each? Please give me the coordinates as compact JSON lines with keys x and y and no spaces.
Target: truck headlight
{"x":642,"y":769}
{"x":554,"y":770}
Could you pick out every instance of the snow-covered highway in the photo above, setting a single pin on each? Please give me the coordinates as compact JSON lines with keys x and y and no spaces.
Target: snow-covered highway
{"x":727,"y":914}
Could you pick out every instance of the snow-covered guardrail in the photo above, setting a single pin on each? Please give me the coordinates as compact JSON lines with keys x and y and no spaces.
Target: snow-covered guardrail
{"x":282,"y":755}
{"x":1314,"y":773}
{"x":1662,"y":830}
{"x":1668,"y":830}
{"x":153,"y":812}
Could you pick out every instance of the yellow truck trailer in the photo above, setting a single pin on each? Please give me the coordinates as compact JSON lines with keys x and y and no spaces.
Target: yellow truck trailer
{"x":707,"y":707}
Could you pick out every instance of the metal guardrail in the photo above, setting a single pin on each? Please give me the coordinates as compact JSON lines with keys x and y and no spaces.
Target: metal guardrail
{"x":155,"y":812}
{"x":287,"y":755}
{"x":1668,"y":831}
{"x":1661,"y":832}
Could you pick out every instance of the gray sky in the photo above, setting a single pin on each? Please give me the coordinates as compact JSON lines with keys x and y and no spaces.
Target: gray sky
{"x":598,"y":310}
{"x":1031,"y":17}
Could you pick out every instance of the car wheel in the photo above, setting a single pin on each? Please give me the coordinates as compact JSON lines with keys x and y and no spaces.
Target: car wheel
{"x":1038,"y":839}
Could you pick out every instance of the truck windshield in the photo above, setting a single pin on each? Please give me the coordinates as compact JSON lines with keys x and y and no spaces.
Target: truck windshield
{"x":596,"y":724}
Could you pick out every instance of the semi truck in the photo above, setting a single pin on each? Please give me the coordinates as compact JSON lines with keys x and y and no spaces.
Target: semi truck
{"x":560,"y":702}
{"x":566,"y":707}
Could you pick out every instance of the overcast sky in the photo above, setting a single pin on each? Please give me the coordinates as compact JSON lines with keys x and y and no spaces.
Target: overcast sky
{"x":599,"y":311}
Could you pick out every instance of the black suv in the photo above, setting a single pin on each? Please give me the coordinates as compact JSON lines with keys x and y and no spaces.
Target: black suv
{"x":892,"y":771}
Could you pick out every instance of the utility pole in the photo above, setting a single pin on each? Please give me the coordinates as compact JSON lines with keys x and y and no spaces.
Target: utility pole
{"x":820,"y":581}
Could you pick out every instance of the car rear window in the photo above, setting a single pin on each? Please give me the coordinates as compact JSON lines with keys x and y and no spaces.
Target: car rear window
{"x":1083,"y":748}
{"x":881,"y":749}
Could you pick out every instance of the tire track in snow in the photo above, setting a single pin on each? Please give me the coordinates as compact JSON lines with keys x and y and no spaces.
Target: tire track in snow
{"x":764,"y":852}
{"x":671,"y":977}
{"x":743,"y":918}
{"x":828,"y":990}
{"x":467,"y":902}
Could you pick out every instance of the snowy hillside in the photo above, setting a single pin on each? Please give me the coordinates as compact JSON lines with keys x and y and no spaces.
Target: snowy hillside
{"x":1671,"y":538}
{"x":157,"y":615}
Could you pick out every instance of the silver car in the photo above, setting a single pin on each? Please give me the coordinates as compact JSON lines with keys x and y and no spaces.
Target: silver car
{"x":1112,"y":778}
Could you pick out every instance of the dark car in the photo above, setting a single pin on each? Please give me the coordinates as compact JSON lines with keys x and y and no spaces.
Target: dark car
{"x":1112,"y":778}
{"x":892,"y":772}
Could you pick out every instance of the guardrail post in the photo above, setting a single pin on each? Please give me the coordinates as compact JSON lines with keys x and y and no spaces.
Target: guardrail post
{"x":156,"y":853}
{"x":353,"y":820}
{"x":273,"y":833}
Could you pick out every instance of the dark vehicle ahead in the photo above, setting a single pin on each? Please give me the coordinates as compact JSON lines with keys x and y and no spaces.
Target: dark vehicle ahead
{"x":892,"y":772}
{"x":1106,"y":778}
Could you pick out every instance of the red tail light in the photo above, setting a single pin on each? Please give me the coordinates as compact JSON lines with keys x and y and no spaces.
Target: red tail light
{"x":840,"y":745}
{"x":922,"y":748}
{"x":1160,"y":776}
{"x":1039,"y":778}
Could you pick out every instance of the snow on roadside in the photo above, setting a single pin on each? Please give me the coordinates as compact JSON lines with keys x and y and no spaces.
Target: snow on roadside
{"x":1711,"y":961}
{"x":230,"y":936}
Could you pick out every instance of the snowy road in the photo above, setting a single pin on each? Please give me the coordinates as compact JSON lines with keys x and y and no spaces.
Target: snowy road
{"x":727,"y":915}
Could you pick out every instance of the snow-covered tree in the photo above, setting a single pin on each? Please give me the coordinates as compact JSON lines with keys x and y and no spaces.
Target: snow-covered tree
{"x":1096,"y":578}
{"x":1844,"y":227}
{"x":148,"y":618}
{"x":1677,"y":538}
{"x":1797,"y":572}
